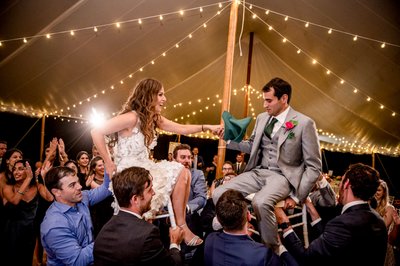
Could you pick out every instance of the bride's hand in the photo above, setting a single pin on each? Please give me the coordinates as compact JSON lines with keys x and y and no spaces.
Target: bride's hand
{"x":216,"y":129}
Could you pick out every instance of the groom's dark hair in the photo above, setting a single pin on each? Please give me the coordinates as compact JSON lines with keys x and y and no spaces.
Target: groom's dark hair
{"x":280,"y":86}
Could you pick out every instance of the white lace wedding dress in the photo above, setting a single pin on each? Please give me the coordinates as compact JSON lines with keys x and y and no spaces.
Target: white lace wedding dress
{"x":132,"y":151}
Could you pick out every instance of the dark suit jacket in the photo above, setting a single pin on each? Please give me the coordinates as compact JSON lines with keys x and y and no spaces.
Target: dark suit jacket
{"x":128,"y":240}
{"x":241,"y":169}
{"x":224,"y":249}
{"x":356,"y":237}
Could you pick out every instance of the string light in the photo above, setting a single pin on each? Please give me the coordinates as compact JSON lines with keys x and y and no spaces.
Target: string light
{"x":152,"y":62}
{"x":314,"y":61}
{"x":330,"y":30}
{"x":117,"y":24}
{"x":164,"y":54}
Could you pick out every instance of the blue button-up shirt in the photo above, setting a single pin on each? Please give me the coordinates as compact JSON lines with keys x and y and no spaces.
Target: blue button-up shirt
{"x":67,"y":232}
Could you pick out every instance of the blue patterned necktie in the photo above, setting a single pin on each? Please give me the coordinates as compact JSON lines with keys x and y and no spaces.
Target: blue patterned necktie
{"x":270,"y":127}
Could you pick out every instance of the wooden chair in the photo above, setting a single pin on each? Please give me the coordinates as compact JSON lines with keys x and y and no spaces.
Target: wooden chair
{"x":302,"y":214}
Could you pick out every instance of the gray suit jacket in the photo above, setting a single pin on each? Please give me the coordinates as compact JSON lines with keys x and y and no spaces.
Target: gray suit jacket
{"x":198,"y":190}
{"x":299,"y":157}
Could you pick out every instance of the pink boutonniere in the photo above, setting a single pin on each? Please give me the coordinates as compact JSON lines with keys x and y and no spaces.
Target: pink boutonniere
{"x":289,"y":126}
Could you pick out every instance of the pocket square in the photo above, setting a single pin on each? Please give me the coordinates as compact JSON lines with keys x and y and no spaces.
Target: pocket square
{"x":235,"y":129}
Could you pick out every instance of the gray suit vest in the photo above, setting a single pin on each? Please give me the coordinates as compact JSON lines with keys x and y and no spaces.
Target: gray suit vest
{"x":269,"y":150}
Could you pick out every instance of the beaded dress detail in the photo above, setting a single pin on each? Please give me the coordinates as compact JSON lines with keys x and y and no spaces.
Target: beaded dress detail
{"x":132,"y":151}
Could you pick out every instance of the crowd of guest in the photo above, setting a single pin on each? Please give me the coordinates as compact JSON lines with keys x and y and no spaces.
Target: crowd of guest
{"x":76,"y":226}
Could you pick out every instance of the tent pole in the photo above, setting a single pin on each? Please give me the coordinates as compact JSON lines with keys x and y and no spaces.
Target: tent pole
{"x":42,"y":138}
{"x":246,"y":88}
{"x":227,"y":80}
{"x":373,"y":160}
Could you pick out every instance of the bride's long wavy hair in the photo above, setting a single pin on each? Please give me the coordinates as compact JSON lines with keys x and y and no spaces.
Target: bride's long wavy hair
{"x":142,"y":102}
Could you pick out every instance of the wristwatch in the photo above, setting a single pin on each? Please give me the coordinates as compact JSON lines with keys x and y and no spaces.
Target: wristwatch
{"x":284,"y":225}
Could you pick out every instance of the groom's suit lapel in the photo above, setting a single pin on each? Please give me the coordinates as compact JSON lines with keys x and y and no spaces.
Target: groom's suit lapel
{"x":283,"y":136}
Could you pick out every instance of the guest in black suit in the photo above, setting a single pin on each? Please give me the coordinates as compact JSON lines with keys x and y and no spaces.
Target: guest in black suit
{"x":127,"y":239}
{"x":356,"y":237}
{"x":233,"y":246}
{"x":240,"y":164}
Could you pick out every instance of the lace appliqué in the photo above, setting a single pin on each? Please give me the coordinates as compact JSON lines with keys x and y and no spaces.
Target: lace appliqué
{"x":132,"y":151}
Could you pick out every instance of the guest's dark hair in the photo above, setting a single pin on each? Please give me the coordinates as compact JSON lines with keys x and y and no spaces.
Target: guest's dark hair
{"x":131,"y":181}
{"x":12,"y":181}
{"x":73,"y":162}
{"x":231,"y":210}
{"x":55,"y":174}
{"x":280,"y":86}
{"x":4,"y":167}
{"x":79,"y":155}
{"x":7,"y":155}
{"x":364,"y":180}
{"x":181,"y":147}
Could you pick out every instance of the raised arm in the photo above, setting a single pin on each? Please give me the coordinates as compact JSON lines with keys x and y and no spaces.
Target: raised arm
{"x":61,"y":149}
{"x":171,"y":126}
{"x":45,"y":193}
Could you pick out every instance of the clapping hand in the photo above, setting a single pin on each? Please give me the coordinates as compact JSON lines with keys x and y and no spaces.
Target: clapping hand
{"x":45,"y":168}
{"x":396,"y":218}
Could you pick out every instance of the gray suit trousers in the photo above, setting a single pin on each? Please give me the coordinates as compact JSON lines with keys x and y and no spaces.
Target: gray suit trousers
{"x":270,"y":188}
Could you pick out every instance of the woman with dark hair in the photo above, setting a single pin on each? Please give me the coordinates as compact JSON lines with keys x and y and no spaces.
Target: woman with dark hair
{"x":21,"y":197}
{"x":7,"y":163}
{"x":102,"y":211}
{"x":82,"y":158}
{"x":134,"y":134}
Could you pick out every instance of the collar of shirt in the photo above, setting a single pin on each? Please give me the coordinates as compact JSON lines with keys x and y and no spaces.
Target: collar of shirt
{"x":353,"y":203}
{"x":133,"y":213}
{"x":65,"y":207}
{"x":281,"y":119}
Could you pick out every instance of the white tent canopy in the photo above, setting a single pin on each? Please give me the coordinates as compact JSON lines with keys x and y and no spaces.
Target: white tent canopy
{"x":98,"y":65}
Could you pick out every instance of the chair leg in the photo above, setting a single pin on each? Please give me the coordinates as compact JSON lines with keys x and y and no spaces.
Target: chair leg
{"x":305,"y":227}
{"x":171,"y":214}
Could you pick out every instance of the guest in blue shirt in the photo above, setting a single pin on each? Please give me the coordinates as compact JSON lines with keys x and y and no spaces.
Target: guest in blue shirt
{"x":67,"y":230}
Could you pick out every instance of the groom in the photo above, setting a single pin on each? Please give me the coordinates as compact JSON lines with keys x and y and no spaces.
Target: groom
{"x":284,"y":162}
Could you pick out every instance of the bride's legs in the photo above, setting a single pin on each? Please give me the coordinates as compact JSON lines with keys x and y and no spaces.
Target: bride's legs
{"x":180,"y":197}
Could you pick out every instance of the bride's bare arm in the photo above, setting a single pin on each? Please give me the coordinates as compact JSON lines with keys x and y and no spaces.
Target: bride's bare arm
{"x":171,"y":126}
{"x":116,"y":124}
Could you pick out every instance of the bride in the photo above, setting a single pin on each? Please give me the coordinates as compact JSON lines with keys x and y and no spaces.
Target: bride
{"x":133,"y":134}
